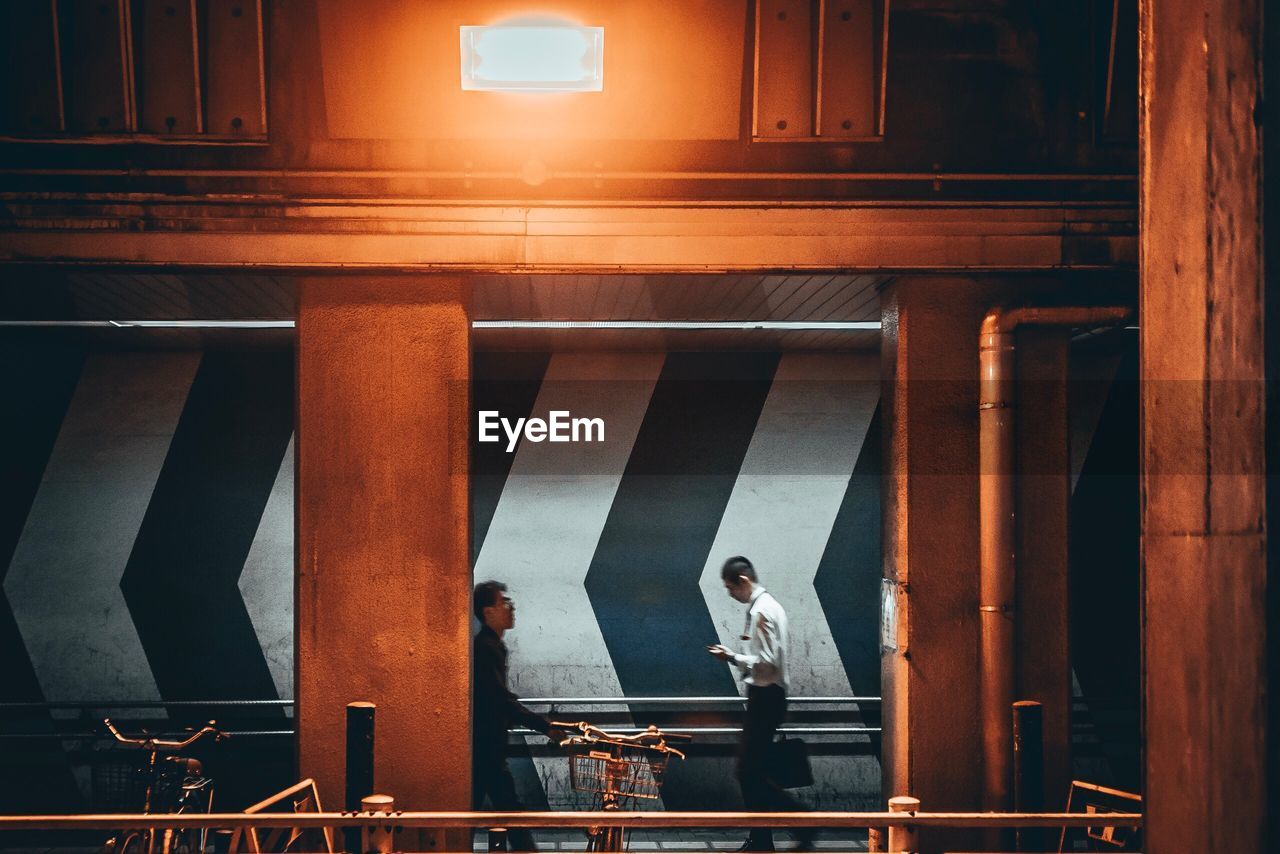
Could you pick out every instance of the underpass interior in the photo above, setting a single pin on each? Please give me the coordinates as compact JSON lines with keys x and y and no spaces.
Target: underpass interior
{"x":951,"y":315}
{"x":151,"y":537}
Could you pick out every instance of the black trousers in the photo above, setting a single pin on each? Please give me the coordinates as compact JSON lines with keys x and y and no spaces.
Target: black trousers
{"x":766,"y":707}
{"x":490,"y":776}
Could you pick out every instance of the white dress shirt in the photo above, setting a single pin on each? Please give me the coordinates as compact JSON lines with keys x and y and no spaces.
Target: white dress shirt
{"x":765,"y":635}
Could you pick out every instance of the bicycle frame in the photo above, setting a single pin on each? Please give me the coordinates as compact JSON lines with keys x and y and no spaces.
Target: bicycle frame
{"x":154,"y":746}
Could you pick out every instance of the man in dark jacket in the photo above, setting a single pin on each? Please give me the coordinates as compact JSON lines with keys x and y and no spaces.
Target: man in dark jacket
{"x":495,"y":710}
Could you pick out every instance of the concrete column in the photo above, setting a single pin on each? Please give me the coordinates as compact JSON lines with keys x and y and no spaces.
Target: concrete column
{"x":929,"y":363}
{"x":383,"y":573}
{"x":1043,"y":487}
{"x":1204,"y":509}
{"x":932,"y":728}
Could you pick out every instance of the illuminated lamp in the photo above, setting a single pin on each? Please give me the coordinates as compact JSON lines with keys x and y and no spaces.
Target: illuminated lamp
{"x":532,"y":58}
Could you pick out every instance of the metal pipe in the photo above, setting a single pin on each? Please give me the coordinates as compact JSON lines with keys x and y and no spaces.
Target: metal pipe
{"x":283,"y":733}
{"x":1028,"y":769}
{"x":571,"y":174}
{"x":904,"y":838}
{"x":996,"y":552}
{"x":85,"y":736}
{"x":612,"y":325}
{"x":721,"y":730}
{"x":998,"y":534}
{"x":140,"y":704}
{"x":598,"y":701}
{"x":649,"y":819}
{"x":682,"y":701}
{"x":304,"y":785}
{"x":378,"y":838}
{"x":359,"y":777}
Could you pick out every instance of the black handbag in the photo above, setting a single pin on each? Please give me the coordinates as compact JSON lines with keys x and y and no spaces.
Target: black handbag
{"x":789,"y":763}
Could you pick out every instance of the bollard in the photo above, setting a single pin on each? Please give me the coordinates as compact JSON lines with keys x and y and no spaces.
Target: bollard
{"x":875,"y":840}
{"x":380,"y":839}
{"x":359,"y":764}
{"x":903,"y":838}
{"x":1028,"y":770}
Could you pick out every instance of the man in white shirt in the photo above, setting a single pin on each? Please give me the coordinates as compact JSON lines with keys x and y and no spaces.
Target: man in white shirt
{"x":764,"y":670}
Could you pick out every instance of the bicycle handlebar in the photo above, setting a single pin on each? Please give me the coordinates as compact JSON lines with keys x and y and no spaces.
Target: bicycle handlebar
{"x":151,"y":743}
{"x":652,"y":737}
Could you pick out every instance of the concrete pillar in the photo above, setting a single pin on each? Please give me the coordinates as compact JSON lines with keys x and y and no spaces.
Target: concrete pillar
{"x":383,"y":573}
{"x":932,"y":729}
{"x":929,"y":364}
{"x":1043,"y":487}
{"x":1204,"y":510}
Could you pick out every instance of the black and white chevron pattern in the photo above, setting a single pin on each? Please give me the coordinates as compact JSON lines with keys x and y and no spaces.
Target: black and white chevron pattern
{"x":613,"y":550}
{"x":148,"y":535}
{"x":146,"y":527}
{"x":124,"y":579}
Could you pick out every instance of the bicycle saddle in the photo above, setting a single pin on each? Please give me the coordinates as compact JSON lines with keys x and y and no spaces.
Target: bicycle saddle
{"x":185,"y":764}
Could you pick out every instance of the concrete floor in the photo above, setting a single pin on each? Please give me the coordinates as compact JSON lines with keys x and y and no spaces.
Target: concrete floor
{"x":689,"y":840}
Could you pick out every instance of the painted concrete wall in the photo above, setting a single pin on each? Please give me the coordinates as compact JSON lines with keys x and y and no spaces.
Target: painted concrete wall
{"x":611,"y":550}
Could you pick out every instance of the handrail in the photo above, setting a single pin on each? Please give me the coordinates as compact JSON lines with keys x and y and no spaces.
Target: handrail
{"x":142,"y":704}
{"x":307,"y":785}
{"x":680,"y":701}
{"x":540,"y":701}
{"x":711,"y":730}
{"x":280,"y":733}
{"x":623,"y":818}
{"x":251,"y":834}
{"x":80,"y":736}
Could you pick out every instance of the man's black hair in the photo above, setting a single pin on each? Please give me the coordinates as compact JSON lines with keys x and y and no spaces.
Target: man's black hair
{"x":736,"y":566}
{"x":487,"y":593}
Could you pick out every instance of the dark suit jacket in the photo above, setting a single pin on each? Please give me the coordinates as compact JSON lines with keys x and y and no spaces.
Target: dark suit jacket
{"x":495,"y":709}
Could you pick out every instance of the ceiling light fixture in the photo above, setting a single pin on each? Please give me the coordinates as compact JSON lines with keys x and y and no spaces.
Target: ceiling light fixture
{"x":532,"y":58}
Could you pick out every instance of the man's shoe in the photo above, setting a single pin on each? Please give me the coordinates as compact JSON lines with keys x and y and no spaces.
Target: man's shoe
{"x":747,"y":846}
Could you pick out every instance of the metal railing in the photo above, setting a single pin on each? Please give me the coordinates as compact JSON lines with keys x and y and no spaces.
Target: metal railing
{"x":142,"y":704}
{"x":675,"y":704}
{"x":621,"y":818}
{"x":730,"y":699}
{"x":900,"y":825}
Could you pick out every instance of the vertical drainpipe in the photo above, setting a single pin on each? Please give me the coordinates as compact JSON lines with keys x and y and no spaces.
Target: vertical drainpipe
{"x":998,"y":546}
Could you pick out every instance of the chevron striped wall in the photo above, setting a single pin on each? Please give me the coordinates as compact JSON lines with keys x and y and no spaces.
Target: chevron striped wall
{"x":146,"y":534}
{"x":613,"y":551}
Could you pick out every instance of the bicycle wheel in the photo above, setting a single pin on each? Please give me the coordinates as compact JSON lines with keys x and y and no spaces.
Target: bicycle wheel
{"x":130,"y":842}
{"x":196,"y":797}
{"x":182,"y":841}
{"x":611,"y":839}
{"x":595,"y":833}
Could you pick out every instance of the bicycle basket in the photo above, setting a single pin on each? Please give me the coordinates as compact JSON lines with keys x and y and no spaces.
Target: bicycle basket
{"x":119,"y":782}
{"x":636,"y":773}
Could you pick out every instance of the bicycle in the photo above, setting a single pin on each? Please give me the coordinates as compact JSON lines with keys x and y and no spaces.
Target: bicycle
{"x":615,"y":769}
{"x":170,"y":784}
